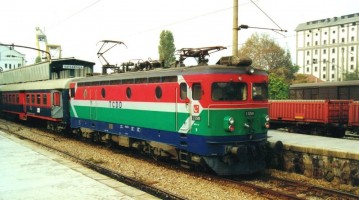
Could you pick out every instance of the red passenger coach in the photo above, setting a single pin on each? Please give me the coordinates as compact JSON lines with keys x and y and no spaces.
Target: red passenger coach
{"x":323,"y":117}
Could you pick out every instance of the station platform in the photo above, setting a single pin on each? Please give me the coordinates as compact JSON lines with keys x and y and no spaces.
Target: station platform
{"x":28,"y":172}
{"x":320,"y":145}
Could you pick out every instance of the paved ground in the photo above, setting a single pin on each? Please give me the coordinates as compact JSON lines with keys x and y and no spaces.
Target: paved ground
{"x":27,"y":172}
{"x":337,"y":147}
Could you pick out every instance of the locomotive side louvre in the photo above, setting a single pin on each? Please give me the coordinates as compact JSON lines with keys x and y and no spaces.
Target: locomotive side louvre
{"x":173,"y":110}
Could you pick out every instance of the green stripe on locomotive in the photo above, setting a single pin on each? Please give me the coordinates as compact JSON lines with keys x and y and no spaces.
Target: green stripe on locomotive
{"x":211,"y":122}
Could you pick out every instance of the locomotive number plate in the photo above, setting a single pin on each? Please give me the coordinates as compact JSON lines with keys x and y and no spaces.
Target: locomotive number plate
{"x":249,"y":113}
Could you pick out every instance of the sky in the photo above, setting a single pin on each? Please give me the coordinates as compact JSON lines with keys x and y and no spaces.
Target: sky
{"x":78,"y":26}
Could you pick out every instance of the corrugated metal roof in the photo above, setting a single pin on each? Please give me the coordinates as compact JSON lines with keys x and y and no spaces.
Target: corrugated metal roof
{"x":325,"y":84}
{"x":39,"y":85}
{"x":345,"y":19}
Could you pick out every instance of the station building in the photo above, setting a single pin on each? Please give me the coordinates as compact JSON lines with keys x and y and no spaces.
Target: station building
{"x":328,"y":48}
{"x":10,"y":58}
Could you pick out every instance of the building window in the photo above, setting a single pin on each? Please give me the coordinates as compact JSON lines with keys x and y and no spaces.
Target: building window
{"x":325,"y":33}
{"x":351,"y":48}
{"x":352,"y":58}
{"x":308,"y":35}
{"x":332,"y":75}
{"x":308,"y":44}
{"x":324,"y":68}
{"x":324,"y":51}
{"x":333,"y":68}
{"x":333,"y":60}
{"x":307,"y":69}
{"x":316,"y":52}
{"x":316,"y":42}
{"x":324,"y":41}
{"x":343,"y":40}
{"x":333,"y":50}
{"x":315,"y":69}
{"x":323,"y":76}
{"x":351,"y":67}
{"x":343,"y":29}
{"x":352,"y":38}
{"x":5,"y":66}
{"x":308,"y":53}
{"x":316,"y":34}
{"x":333,"y":32}
{"x":307,"y":62}
{"x":324,"y":60}
{"x":333,"y":41}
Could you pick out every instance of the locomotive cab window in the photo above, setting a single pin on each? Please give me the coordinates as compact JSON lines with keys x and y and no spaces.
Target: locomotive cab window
{"x":229,"y":91}
{"x":196,"y":91}
{"x":183,"y":91}
{"x":260,"y":91}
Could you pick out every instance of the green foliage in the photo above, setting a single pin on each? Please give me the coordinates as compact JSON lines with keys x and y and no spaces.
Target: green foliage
{"x":351,"y":75}
{"x":166,"y":48}
{"x":267,"y":54}
{"x":38,"y":59}
{"x":278,"y":87}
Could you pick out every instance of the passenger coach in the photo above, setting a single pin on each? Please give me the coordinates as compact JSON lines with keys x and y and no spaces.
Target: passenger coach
{"x":46,"y":100}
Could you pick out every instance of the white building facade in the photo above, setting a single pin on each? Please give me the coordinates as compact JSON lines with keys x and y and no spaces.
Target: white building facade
{"x":10,"y":58}
{"x":328,"y":48}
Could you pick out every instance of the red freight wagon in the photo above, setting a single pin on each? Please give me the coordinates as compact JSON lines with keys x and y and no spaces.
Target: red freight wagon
{"x":354,"y":115}
{"x":323,"y":117}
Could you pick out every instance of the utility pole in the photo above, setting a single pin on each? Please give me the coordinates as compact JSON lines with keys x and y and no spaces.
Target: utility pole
{"x":235,"y":29}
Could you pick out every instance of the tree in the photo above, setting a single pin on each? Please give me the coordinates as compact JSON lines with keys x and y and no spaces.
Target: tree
{"x":166,"y":48}
{"x":278,"y":88}
{"x":267,"y":54}
{"x":38,"y":59}
{"x":351,"y":75}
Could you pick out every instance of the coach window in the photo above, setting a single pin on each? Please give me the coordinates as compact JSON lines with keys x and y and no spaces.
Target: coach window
{"x":44,"y":99}
{"x":158,"y":92}
{"x":183,"y":91}
{"x":128,"y":93}
{"x":33,"y":98}
{"x":17,"y":98}
{"x":56,"y":99}
{"x":196,"y":91}
{"x":38,"y":99}
{"x":27,"y":98}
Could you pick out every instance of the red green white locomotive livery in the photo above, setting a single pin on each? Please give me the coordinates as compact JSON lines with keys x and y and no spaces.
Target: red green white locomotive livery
{"x":215,"y":116}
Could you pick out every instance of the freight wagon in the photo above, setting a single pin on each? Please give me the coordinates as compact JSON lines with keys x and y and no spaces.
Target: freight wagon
{"x":319,"y":117}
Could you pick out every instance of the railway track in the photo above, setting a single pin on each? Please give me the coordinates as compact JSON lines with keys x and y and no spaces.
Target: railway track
{"x":279,"y":188}
{"x":264,"y":186}
{"x":160,"y":193}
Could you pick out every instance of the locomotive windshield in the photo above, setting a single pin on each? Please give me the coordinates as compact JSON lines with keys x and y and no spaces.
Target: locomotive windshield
{"x":229,"y":91}
{"x":260,"y":91}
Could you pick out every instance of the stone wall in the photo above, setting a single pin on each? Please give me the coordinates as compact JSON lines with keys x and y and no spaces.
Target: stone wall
{"x":309,"y":164}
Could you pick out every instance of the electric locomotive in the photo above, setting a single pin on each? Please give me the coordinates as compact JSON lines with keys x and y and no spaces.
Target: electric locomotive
{"x":213,"y":116}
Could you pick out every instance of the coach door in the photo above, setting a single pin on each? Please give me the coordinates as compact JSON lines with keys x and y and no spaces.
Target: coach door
{"x":57,"y":109}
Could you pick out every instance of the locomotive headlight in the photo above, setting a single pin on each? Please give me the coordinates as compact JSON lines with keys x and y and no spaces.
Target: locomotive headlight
{"x":267,"y":118}
{"x":266,"y":124}
{"x":228,"y":123}
{"x":250,"y":70}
